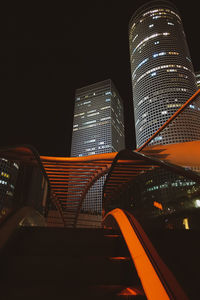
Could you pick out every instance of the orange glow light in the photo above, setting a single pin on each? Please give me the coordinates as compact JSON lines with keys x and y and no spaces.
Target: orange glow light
{"x":130,"y":291}
{"x":119,"y":258}
{"x":158,"y":205}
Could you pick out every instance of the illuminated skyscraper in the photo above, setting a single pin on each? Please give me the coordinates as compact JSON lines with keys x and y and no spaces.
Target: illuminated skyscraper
{"x":98,"y":127}
{"x":162,"y":73}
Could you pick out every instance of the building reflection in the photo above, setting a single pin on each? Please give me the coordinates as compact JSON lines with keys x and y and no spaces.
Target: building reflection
{"x":8,"y":177}
{"x":160,"y":198}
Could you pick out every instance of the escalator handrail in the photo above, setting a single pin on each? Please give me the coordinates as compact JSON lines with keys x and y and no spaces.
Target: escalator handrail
{"x":157,"y":280}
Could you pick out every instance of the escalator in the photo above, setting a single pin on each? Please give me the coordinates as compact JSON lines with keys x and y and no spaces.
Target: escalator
{"x":59,"y":263}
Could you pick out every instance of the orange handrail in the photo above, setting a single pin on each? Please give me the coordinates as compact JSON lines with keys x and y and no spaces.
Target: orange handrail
{"x":158,"y":283}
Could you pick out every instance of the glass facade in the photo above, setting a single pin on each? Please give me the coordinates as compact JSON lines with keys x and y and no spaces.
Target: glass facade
{"x":8,"y":177}
{"x":162,"y":72}
{"x":98,"y":127}
{"x":198,"y":79}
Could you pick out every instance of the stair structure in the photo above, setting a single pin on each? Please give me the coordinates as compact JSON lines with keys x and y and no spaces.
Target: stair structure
{"x":59,"y":263}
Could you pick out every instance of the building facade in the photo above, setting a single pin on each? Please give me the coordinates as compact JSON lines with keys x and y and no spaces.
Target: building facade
{"x":162,"y":73}
{"x":98,"y":127}
{"x":8,"y":177}
{"x":198,"y":79}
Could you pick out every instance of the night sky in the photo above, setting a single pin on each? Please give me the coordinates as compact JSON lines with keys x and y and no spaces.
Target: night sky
{"x":48,"y":52}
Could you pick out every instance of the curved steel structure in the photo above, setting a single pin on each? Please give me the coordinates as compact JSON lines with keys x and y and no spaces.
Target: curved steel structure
{"x":71,"y":178}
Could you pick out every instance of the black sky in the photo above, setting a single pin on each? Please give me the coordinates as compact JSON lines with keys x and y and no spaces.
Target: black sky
{"x":48,"y":52}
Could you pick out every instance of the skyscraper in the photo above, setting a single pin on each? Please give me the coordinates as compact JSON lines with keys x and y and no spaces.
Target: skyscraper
{"x":98,"y":127}
{"x":162,"y":73}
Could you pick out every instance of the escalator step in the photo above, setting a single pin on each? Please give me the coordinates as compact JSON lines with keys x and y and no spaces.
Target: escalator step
{"x":61,"y":292}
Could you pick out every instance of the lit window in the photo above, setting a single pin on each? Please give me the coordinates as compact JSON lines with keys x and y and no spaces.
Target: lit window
{"x":105,"y":107}
{"x":149,"y":38}
{"x":153,"y":74}
{"x":90,"y":153}
{"x":158,"y":138}
{"x":197,"y":203}
{"x":173,"y":53}
{"x":94,"y":114}
{"x":161,"y":67}
{"x":15,"y":165}
{"x":90,"y":149}
{"x":134,"y":38}
{"x":151,"y":25}
{"x":171,"y":70}
{"x":77,"y":115}
{"x":173,"y":105}
{"x":159,"y":54}
{"x":89,"y":122}
{"x":140,"y":64}
{"x":106,"y":118}
{"x":89,"y":141}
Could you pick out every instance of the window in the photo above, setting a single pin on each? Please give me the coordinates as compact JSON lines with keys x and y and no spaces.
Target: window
{"x":89,"y":141}
{"x":89,"y":122}
{"x":105,"y":107}
{"x":90,"y":153}
{"x":159,"y":54}
{"x":77,"y":115}
{"x":153,"y":74}
{"x":106,"y":118}
{"x":86,"y":102}
{"x":94,"y":114}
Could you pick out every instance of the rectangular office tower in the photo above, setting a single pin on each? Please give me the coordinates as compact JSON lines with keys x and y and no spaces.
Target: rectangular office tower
{"x":98,"y":127}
